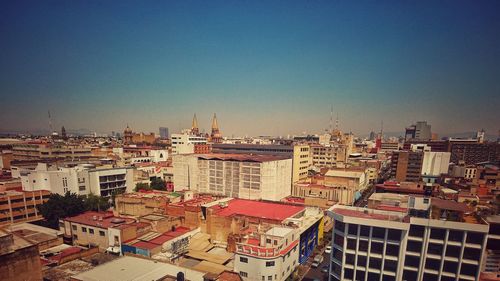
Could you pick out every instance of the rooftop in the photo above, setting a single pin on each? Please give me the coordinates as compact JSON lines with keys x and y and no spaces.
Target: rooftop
{"x":344,"y":174}
{"x":259,"y":209}
{"x":99,"y":219}
{"x":129,"y":268}
{"x":259,"y":158}
{"x":279,"y":231}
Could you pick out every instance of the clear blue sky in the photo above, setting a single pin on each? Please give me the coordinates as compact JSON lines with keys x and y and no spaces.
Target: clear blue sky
{"x":265,"y":67}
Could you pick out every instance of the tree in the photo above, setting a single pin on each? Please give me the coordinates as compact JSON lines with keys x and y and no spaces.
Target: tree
{"x":96,"y":203}
{"x":142,"y":186}
{"x":58,"y":207}
{"x":158,"y":184}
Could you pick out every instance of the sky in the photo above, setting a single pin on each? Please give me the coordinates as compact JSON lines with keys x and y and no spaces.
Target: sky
{"x":265,"y":67}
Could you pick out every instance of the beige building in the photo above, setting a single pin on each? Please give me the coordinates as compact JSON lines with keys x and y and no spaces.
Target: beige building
{"x":101,"y":229}
{"x":19,"y":258}
{"x":302,"y":162}
{"x":21,"y":206}
{"x":347,"y":182}
{"x":247,"y":176}
{"x":49,"y":151}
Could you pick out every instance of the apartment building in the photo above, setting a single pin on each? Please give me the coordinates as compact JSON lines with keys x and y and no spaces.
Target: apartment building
{"x":345,"y":184}
{"x":434,"y":240}
{"x":406,"y":165}
{"x":21,"y":206}
{"x":272,"y":255}
{"x":101,"y":229}
{"x":185,"y":143}
{"x":266,"y":177}
{"x":50,"y":151}
{"x":82,"y":179}
{"x":328,"y":155}
{"x":302,"y":162}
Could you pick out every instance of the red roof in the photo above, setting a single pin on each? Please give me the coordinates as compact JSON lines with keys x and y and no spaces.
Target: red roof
{"x":102,"y":219}
{"x":259,"y":209}
{"x":145,"y":245}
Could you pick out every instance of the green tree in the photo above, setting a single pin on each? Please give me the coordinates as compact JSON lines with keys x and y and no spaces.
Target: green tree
{"x":143,"y":186}
{"x":96,"y":203}
{"x":58,"y":207}
{"x":158,"y":184}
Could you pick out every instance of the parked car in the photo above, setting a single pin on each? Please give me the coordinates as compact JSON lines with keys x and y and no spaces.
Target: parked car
{"x":328,"y":249}
{"x":318,"y":259}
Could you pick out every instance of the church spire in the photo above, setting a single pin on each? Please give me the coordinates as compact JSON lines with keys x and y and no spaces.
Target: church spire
{"x":215,"y":136}
{"x":215,"y":126}
{"x":194,"y":126}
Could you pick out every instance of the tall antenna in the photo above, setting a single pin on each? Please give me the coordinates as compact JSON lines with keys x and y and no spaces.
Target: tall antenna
{"x":381,"y":129}
{"x":50,"y":124}
{"x":331,"y":120}
{"x":337,"y":122}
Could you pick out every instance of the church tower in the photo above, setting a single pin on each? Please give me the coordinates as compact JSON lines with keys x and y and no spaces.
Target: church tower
{"x":127,"y":135}
{"x":215,"y":136}
{"x":194,"y":126}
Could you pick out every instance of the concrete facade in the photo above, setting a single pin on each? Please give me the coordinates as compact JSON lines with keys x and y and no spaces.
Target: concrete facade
{"x":240,"y":176}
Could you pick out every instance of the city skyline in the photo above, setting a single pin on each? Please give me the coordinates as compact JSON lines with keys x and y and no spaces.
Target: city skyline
{"x":264,"y":68}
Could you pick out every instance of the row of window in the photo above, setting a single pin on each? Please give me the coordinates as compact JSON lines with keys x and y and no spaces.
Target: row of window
{"x":90,"y":230}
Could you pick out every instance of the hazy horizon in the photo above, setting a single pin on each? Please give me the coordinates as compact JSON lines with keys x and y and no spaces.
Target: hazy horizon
{"x":265,"y":68}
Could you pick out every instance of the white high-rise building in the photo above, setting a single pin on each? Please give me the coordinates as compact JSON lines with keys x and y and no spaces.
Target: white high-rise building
{"x":184,"y":143}
{"x":244,"y":176}
{"x":82,"y":180}
{"x":429,"y":242}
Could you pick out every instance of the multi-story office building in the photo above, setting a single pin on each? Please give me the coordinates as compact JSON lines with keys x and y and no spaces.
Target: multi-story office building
{"x":472,"y":152}
{"x":419,"y":131}
{"x":49,"y":151}
{"x":272,"y":255}
{"x":389,"y":146}
{"x":345,"y":184}
{"x":164,"y":133}
{"x":21,"y":206}
{"x":328,"y":156}
{"x":245,"y":176}
{"x":82,"y":179}
{"x":302,"y":162}
{"x":185,"y":143}
{"x":491,"y":260}
{"x":434,"y":164}
{"x":431,"y":241}
{"x":253,"y":148}
{"x":406,"y":165}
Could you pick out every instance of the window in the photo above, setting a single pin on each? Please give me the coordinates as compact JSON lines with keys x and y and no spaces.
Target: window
{"x":91,"y":230}
{"x":377,"y":248}
{"x":472,"y":254}
{"x":360,"y":275}
{"x":243,"y":259}
{"x":243,"y":274}
{"x":433,"y":264}
{"x":270,"y":277}
{"x":414,"y":246}
{"x":375,"y":263}
{"x":269,"y":263}
{"x":362,"y":261}
{"x":450,"y":266}
{"x":353,"y":229}
{"x":394,"y":234}
{"x":364,"y":231}
{"x":456,"y":236}
{"x":363,"y":245}
{"x":435,"y":249}
{"x":74,"y":227}
{"x":475,"y":237}
{"x":412,"y":261}
{"x":101,"y":233}
{"x":453,"y":251}
{"x":392,"y":250}
{"x":417,"y":230}
{"x":390,"y":265}
{"x":378,"y":232}
{"x":469,"y":269}
{"x":351,"y":244}
{"x":349,"y":259}
{"x":410,"y":275}
{"x":348,"y":273}
{"x":437,"y":233}
{"x":84,"y":229}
